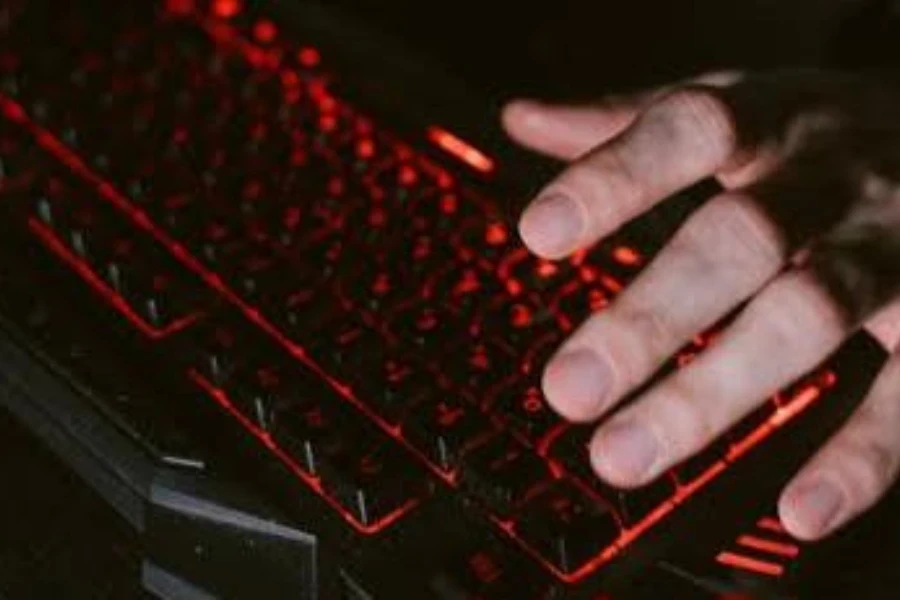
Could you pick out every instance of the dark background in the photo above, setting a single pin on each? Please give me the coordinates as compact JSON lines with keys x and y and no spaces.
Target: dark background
{"x":559,"y":48}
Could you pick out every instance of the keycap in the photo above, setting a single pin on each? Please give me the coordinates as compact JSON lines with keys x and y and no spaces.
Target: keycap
{"x":636,"y":504}
{"x":491,"y":570}
{"x":372,"y":477}
{"x":464,"y":286}
{"x":373,"y":285}
{"x":480,"y":366}
{"x":301,"y":312}
{"x":535,"y":273}
{"x":392,"y":386}
{"x":566,"y":526}
{"x":517,"y":321}
{"x":433,"y":329}
{"x":445,"y":429}
{"x":218,"y":346}
{"x":344,"y":346}
{"x":504,"y":474}
{"x":571,"y":450}
{"x":579,"y":301}
{"x":523,"y":406}
{"x":261,"y":390}
{"x":311,"y":431}
{"x":490,"y":240}
{"x":157,"y":288}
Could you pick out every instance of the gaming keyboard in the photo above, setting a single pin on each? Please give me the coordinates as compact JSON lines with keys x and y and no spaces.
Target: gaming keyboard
{"x":352,"y":305}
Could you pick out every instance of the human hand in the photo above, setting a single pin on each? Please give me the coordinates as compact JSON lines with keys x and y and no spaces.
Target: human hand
{"x":807,"y":230}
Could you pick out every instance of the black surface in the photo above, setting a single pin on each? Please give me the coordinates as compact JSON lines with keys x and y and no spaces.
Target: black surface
{"x":58,"y":539}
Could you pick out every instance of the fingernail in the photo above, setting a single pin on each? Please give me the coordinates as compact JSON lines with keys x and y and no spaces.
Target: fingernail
{"x":577,"y":384}
{"x":528,"y":111}
{"x":815,"y":507}
{"x":624,"y":453}
{"x":552,"y":225}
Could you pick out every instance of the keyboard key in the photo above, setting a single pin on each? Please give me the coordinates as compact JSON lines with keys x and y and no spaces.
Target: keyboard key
{"x":260,"y":391}
{"x":219,"y":346}
{"x":480,"y":366}
{"x":566,"y":526}
{"x":493,"y":570}
{"x":517,"y":321}
{"x":445,"y":429}
{"x":312,"y":431}
{"x":525,"y":409}
{"x":571,"y":450}
{"x":465,"y":287}
{"x":634,"y":505}
{"x":372,"y":477}
{"x":431,"y":329}
{"x":392,"y":386}
{"x":343,"y":347}
{"x":504,"y":474}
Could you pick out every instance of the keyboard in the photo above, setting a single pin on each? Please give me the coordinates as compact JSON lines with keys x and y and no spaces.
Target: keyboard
{"x":352,"y":303}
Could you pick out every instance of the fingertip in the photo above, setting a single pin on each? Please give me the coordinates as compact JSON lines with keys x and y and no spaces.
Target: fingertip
{"x":521,"y":112}
{"x":552,"y":226}
{"x":577,"y":384}
{"x":810,"y":509}
{"x":625,"y":454}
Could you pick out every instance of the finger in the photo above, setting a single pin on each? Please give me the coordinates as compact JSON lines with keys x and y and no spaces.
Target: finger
{"x":681,"y":139}
{"x":725,"y":252}
{"x":566,"y":132}
{"x":853,"y":470}
{"x":885,"y":326}
{"x":569,"y":131}
{"x":786,"y":331}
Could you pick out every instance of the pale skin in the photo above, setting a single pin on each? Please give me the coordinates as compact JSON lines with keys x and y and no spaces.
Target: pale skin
{"x":807,"y":232}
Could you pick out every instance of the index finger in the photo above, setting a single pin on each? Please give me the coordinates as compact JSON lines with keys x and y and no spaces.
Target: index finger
{"x":685,"y":137}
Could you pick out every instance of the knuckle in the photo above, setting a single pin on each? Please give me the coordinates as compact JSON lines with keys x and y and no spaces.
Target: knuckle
{"x":686,"y":421}
{"x":698,"y":113}
{"x":594,"y":180}
{"x":869,"y":466}
{"x":647,"y":334}
{"x":796,"y":306}
{"x":731,"y":235}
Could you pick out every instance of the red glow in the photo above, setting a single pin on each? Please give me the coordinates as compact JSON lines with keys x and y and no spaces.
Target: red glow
{"x":739,"y":561}
{"x":611,"y":283}
{"x":546,"y":269}
{"x":627,"y":256}
{"x":513,"y":287}
{"x":365,"y":149}
{"x":803,"y":399}
{"x":308,"y":57}
{"x":461,"y":149}
{"x":180,"y":7}
{"x":15,"y":112}
{"x":407,"y":176}
{"x":449,"y":204}
{"x":770,"y":546}
{"x":265,"y":31}
{"x":285,"y":458}
{"x":226,"y":9}
{"x":55,"y":245}
{"x":771,"y":524}
{"x":496,"y":234}
{"x":143,"y":222}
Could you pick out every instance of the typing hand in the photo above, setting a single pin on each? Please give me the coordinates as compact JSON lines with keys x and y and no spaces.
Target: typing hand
{"x":807,"y":230}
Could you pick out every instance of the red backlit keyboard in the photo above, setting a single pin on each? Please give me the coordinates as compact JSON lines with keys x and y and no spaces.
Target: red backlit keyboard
{"x":342,"y":294}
